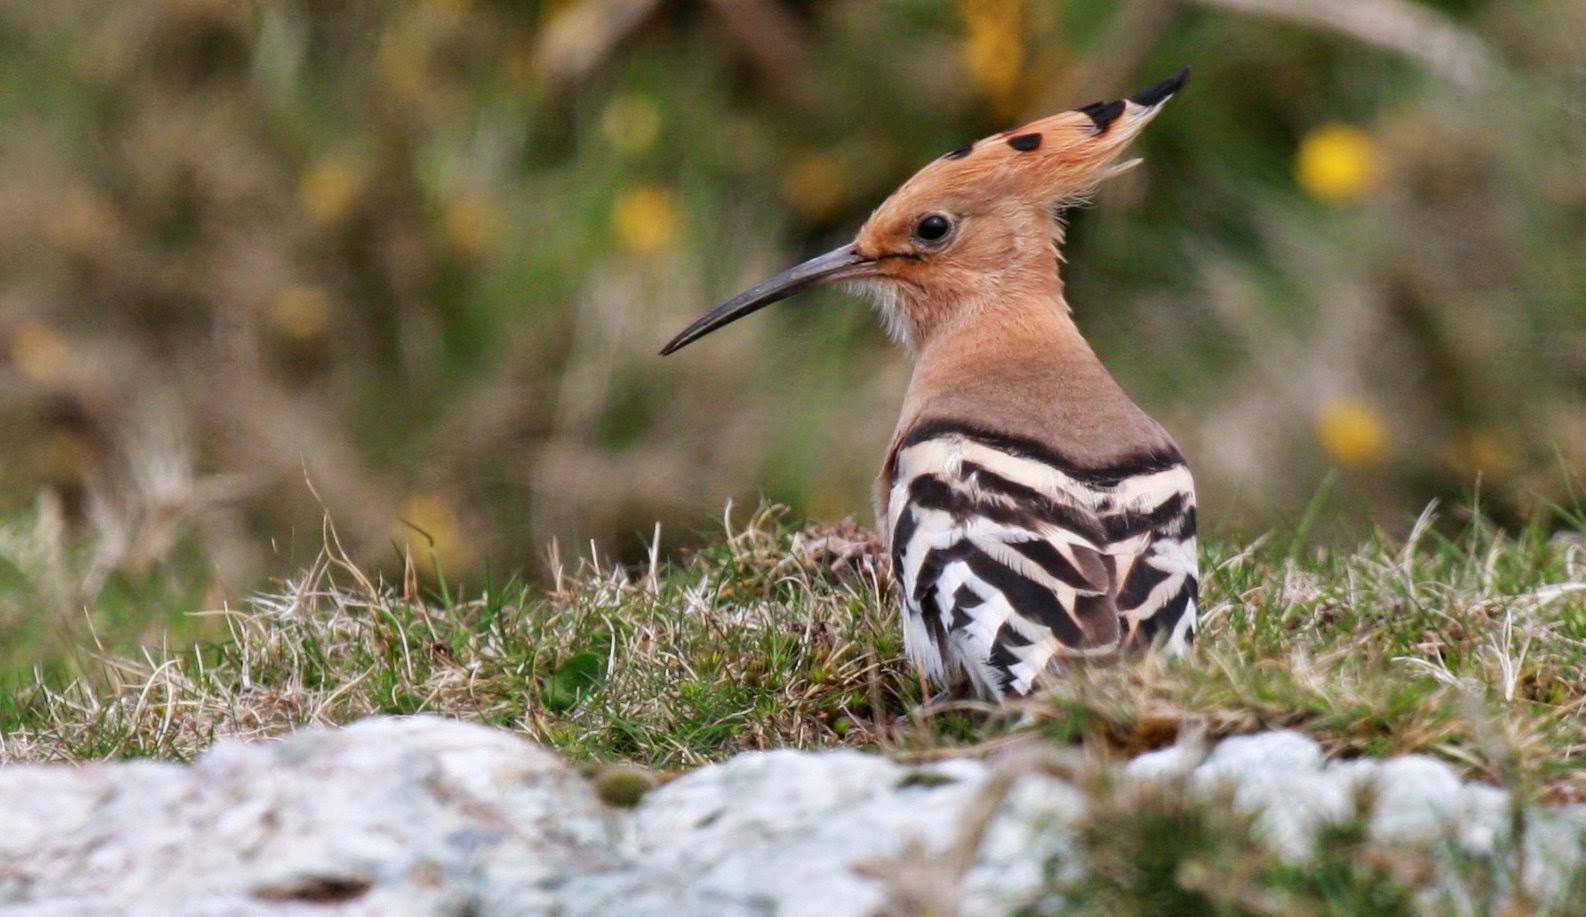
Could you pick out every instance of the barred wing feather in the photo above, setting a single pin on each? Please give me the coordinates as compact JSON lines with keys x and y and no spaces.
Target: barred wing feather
{"x":1011,"y":562}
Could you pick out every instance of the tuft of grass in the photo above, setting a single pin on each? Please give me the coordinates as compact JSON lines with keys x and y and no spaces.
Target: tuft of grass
{"x":1155,"y":849}
{"x":128,"y":579}
{"x":771,"y":637}
{"x":1468,"y":648}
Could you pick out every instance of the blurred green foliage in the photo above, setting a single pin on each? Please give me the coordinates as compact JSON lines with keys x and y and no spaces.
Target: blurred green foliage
{"x":408,"y":263}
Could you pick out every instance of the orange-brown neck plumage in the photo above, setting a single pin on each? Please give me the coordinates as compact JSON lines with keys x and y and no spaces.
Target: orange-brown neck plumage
{"x":1021,"y":368}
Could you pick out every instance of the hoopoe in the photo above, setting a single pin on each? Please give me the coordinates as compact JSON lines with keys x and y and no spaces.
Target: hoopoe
{"x":1033,"y":512}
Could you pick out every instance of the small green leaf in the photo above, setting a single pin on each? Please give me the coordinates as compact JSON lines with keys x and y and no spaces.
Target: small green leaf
{"x":581,"y":672}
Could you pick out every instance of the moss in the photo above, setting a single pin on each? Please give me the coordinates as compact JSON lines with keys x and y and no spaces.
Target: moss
{"x":622,"y":786}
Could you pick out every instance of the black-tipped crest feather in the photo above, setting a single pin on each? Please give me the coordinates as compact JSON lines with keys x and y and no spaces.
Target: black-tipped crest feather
{"x":1102,"y":114}
{"x":1156,"y":95}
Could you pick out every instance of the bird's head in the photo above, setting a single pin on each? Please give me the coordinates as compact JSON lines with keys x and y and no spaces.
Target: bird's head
{"x":970,"y":227}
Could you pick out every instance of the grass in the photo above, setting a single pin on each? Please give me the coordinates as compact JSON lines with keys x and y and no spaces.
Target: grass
{"x":68,"y":590}
{"x":753,"y":643}
{"x":1469,"y":648}
{"x":1466,"y":647}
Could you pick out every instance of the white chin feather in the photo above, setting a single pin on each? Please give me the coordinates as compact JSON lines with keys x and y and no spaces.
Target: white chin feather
{"x":889,"y":303}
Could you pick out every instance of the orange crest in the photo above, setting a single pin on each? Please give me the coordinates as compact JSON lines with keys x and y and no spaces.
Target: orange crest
{"x":1051,"y":162}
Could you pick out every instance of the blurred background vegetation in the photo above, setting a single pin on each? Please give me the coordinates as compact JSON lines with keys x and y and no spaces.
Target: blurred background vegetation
{"x":408,"y":264}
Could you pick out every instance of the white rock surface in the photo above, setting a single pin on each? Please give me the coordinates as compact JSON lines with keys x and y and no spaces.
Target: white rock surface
{"x":386,"y":816}
{"x":427,"y":816}
{"x":1279,"y":778}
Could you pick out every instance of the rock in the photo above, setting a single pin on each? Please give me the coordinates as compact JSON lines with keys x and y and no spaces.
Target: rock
{"x":1278,"y":778}
{"x":1244,"y":760}
{"x":789,"y":831}
{"x":1554,"y":855}
{"x":1171,"y":764}
{"x":428,"y":816}
{"x":1417,"y":799}
{"x":385,"y":816}
{"x":1033,"y":832}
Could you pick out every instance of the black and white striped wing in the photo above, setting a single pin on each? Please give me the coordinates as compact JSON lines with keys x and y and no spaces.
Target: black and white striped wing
{"x":1009,"y":563}
{"x":1149,"y":517}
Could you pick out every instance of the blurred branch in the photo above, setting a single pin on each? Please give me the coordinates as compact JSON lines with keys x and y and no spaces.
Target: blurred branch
{"x":1415,"y":31}
{"x":580,"y":36}
{"x":773,"y":38}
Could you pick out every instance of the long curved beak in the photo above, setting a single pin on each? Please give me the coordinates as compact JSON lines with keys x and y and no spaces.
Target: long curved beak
{"x":840,"y":264}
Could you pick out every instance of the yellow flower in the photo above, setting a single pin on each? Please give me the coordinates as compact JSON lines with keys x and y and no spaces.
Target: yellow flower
{"x":631,"y":123}
{"x":39,"y":351}
{"x":815,"y":186}
{"x":1351,"y":433}
{"x":993,"y":51}
{"x":301,"y":313}
{"x":328,"y":190}
{"x":644,"y":219}
{"x":469,"y":224}
{"x":433,"y":532}
{"x":1337,"y":162}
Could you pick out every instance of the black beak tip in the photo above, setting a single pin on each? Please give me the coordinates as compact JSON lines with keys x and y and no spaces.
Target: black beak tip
{"x":1161,"y":92}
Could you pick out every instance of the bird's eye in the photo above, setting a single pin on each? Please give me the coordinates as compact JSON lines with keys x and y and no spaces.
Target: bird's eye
{"x":933,"y":228}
